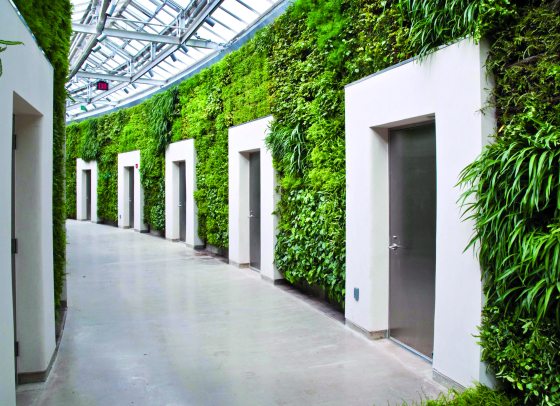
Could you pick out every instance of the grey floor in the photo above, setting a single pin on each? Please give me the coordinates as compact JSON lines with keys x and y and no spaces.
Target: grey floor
{"x":152,"y":322}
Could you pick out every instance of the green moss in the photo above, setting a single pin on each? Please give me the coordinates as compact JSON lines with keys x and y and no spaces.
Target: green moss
{"x":51,"y":24}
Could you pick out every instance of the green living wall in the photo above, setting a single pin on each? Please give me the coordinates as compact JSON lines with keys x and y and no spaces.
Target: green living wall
{"x":50,"y":22}
{"x":202,"y":108}
{"x":296,"y":69}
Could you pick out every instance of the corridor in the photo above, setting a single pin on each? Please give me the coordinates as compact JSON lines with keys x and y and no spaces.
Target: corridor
{"x":151,"y":322}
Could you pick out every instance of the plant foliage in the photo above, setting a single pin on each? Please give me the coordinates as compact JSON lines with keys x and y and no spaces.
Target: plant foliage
{"x":203,"y":107}
{"x":437,"y":22}
{"x":513,"y":198}
{"x":478,"y":395}
{"x":51,"y":24}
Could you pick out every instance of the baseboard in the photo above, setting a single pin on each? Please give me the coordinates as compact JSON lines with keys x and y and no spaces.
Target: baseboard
{"x":446,"y":381}
{"x":220,"y":251}
{"x":41,"y":376}
{"x":275,"y":282}
{"x":239,"y":265}
{"x":372,"y":335}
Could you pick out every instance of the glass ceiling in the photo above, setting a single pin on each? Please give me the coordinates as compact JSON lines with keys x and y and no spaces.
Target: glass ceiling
{"x":138,"y":46}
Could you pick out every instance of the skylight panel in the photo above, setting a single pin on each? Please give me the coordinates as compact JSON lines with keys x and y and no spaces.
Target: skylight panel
{"x":146,"y":5}
{"x":239,"y":10}
{"x":211,"y":34}
{"x":182,"y":3}
{"x":223,"y":17}
{"x":114,"y":55}
{"x":165,"y":18}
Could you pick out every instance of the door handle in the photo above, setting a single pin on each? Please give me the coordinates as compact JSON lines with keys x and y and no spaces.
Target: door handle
{"x":394,"y":247}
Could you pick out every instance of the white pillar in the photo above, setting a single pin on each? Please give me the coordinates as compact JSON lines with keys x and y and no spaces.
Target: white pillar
{"x":130,"y":160}
{"x":450,"y":86}
{"x":244,"y":139}
{"x":177,"y":152}
{"x":81,"y":193}
{"x":26,"y":90}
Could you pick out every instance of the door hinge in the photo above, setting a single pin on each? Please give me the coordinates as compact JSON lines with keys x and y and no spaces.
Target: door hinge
{"x":14,"y":245}
{"x":16,"y":348}
{"x":14,"y":141}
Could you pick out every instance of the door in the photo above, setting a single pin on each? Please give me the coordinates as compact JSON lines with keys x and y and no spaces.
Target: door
{"x":14,"y":241}
{"x":131,"y":196}
{"x":255,"y":210}
{"x":88,"y":194}
{"x":412,"y":238}
{"x":182,"y":202}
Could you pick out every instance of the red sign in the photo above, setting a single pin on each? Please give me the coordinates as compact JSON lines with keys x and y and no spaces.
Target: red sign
{"x":136,"y":166}
{"x":102,"y":85}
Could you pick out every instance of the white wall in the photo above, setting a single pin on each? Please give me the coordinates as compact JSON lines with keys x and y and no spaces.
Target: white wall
{"x":243,"y":139}
{"x":25,"y":90}
{"x":181,"y":151}
{"x":452,"y":85}
{"x":130,"y":159}
{"x":81,"y":196}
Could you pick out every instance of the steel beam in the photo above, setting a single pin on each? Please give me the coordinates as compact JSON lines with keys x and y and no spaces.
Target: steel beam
{"x":93,"y":41}
{"x":209,"y":8}
{"x":118,"y":78}
{"x":144,"y":36}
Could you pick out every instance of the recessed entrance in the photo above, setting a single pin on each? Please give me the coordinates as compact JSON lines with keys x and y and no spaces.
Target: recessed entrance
{"x":182,"y":201}
{"x":129,"y":197}
{"x":252,"y":199}
{"x":412,"y":236}
{"x":87,"y":176}
{"x":255,"y":210}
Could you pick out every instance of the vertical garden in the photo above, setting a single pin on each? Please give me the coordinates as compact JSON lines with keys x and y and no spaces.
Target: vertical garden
{"x":50,"y":22}
{"x":296,"y":70}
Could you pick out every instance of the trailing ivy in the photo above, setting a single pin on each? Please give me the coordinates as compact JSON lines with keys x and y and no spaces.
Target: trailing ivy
{"x":51,"y":24}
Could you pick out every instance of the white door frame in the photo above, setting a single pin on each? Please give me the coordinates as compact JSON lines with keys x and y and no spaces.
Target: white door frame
{"x":81,"y":196}
{"x":126,"y":160}
{"x":244,"y":139}
{"x":451,"y":86}
{"x":176,"y":152}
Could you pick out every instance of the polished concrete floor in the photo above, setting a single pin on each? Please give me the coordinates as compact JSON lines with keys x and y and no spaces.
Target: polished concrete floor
{"x":151,"y":322}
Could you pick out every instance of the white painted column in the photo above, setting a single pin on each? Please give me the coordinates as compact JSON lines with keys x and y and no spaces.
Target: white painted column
{"x":451,"y":87}
{"x":81,"y":197}
{"x":176,"y":152}
{"x":26,"y":90}
{"x":244,"y":139}
{"x":126,"y":160}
